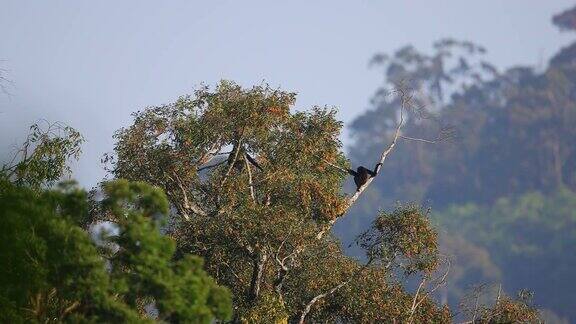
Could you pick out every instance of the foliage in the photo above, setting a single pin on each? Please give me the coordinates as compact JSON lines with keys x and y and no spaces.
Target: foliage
{"x":471,"y":264}
{"x":507,"y":310}
{"x":261,"y":229}
{"x":181,"y":291}
{"x":502,"y":309}
{"x":43,"y":158}
{"x":52,"y":271}
{"x":402,"y":233}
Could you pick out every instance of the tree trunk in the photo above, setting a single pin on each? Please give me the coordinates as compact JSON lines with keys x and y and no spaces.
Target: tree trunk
{"x":257,"y":272}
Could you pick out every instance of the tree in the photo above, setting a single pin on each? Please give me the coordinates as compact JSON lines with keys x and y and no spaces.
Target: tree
{"x":264,"y":228}
{"x":52,"y":269}
{"x":43,"y":158}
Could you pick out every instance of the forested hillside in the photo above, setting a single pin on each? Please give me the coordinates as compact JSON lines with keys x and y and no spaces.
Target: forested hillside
{"x":497,"y":166}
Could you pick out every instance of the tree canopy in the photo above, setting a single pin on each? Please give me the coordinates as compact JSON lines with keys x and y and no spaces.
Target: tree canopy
{"x":54,"y":271}
{"x":255,"y":189}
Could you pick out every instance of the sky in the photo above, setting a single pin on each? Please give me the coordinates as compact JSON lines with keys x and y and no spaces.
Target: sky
{"x":90,"y":64}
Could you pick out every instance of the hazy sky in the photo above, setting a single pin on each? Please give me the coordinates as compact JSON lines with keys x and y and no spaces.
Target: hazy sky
{"x":91,"y":63}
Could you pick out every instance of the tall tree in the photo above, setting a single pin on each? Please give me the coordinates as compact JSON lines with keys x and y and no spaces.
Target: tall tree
{"x":256,"y":189}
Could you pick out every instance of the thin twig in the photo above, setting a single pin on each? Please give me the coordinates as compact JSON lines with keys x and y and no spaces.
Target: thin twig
{"x":335,"y":166}
{"x":476,"y":308}
{"x":330,"y":292}
{"x":440,"y":282}
{"x":414,"y":304}
{"x":418,"y":139}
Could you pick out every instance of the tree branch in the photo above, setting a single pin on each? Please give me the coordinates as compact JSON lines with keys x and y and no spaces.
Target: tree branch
{"x":330,"y":292}
{"x":317,"y":298}
{"x":440,"y":282}
{"x":415,"y":139}
{"x":257,"y":272}
{"x":405,"y":104}
{"x":187,"y":205}
{"x":236,"y":150}
{"x":279,"y":282}
{"x":282,"y":262}
{"x":335,"y":166}
{"x":210,"y":166}
{"x":414,"y":304}
{"x":210,"y":153}
{"x":250,"y":184}
{"x":405,"y":99}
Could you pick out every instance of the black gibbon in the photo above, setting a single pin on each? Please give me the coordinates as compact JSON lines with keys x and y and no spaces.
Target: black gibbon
{"x":239,"y":163}
{"x":254,"y":163}
{"x":361,"y":175}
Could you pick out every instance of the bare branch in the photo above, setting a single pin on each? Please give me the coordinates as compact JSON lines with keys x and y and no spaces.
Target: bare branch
{"x":187,"y":205}
{"x":70,"y":308}
{"x":406,"y":103}
{"x":418,"y":139}
{"x":444,"y":134}
{"x":331,"y":291}
{"x":440,"y":281}
{"x":476,"y":308}
{"x":284,"y":267}
{"x":335,"y":166}
{"x":414,"y":305}
{"x":318,"y":297}
{"x":281,"y":273}
{"x":405,"y":100}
